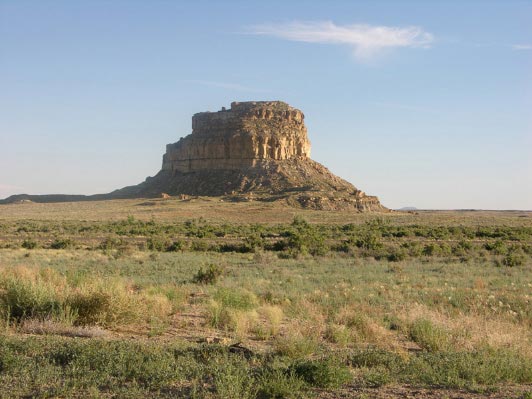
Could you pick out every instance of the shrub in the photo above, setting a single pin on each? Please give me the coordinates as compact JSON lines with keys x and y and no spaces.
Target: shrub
{"x":176,"y":246}
{"x":240,"y":248}
{"x":304,"y":238}
{"x":29,"y":244}
{"x":397,"y":255}
{"x":110,"y":243}
{"x":371,"y":240}
{"x":431,"y":250}
{"x":62,"y":243}
{"x":208,"y":276}
{"x":323,"y":373}
{"x":199,"y":246}
{"x":514,"y":257}
{"x":157,"y":244}
{"x":233,"y":379}
{"x":280,"y":384}
{"x":27,"y":298}
{"x":361,"y":326}
{"x":497,"y":247}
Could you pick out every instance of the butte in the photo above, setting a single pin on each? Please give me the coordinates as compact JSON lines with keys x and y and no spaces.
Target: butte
{"x":255,"y":150}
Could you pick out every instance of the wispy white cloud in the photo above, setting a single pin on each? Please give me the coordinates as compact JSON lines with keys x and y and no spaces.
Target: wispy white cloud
{"x":366,"y":40}
{"x":522,"y":46}
{"x":228,"y":86}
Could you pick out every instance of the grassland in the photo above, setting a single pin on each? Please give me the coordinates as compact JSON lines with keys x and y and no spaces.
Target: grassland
{"x":190,"y":299}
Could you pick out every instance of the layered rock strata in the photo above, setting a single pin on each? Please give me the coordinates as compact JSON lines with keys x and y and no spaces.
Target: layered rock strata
{"x":240,"y":137}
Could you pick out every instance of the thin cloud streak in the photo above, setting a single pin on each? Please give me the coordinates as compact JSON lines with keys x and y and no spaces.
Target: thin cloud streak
{"x":366,"y":40}
{"x":522,"y":46}
{"x":228,"y":86}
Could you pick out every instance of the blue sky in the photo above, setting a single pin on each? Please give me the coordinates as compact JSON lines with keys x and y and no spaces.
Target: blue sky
{"x":422,"y":104}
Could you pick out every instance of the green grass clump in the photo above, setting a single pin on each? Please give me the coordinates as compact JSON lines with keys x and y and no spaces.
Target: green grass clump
{"x":29,"y":299}
{"x":429,"y":336}
{"x":236,"y":298}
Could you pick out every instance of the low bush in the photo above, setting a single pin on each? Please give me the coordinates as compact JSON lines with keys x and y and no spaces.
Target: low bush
{"x":515,"y":257}
{"x":62,"y":243}
{"x":497,"y":247}
{"x":209,"y":275}
{"x":199,"y":246}
{"x":397,"y":255}
{"x":158,"y":244}
{"x":280,"y":384}
{"x":176,"y":246}
{"x":323,"y":373}
{"x":29,"y":244}
{"x":30,"y":298}
{"x":232,"y":378}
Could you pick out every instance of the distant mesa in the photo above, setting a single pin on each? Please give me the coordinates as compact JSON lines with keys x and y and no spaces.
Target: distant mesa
{"x":253,"y":151}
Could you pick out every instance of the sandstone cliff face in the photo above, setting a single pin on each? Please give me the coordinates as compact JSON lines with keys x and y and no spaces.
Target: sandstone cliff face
{"x":240,"y":137}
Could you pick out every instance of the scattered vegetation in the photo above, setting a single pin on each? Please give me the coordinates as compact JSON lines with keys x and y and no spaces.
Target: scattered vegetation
{"x":296,"y":310}
{"x":507,"y":246}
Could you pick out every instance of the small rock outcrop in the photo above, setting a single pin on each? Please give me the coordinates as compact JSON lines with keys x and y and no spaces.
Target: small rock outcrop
{"x":254,"y":151}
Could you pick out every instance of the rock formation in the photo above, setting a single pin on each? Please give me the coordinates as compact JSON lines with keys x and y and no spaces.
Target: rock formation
{"x":242,"y":137}
{"x":254,"y":150}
